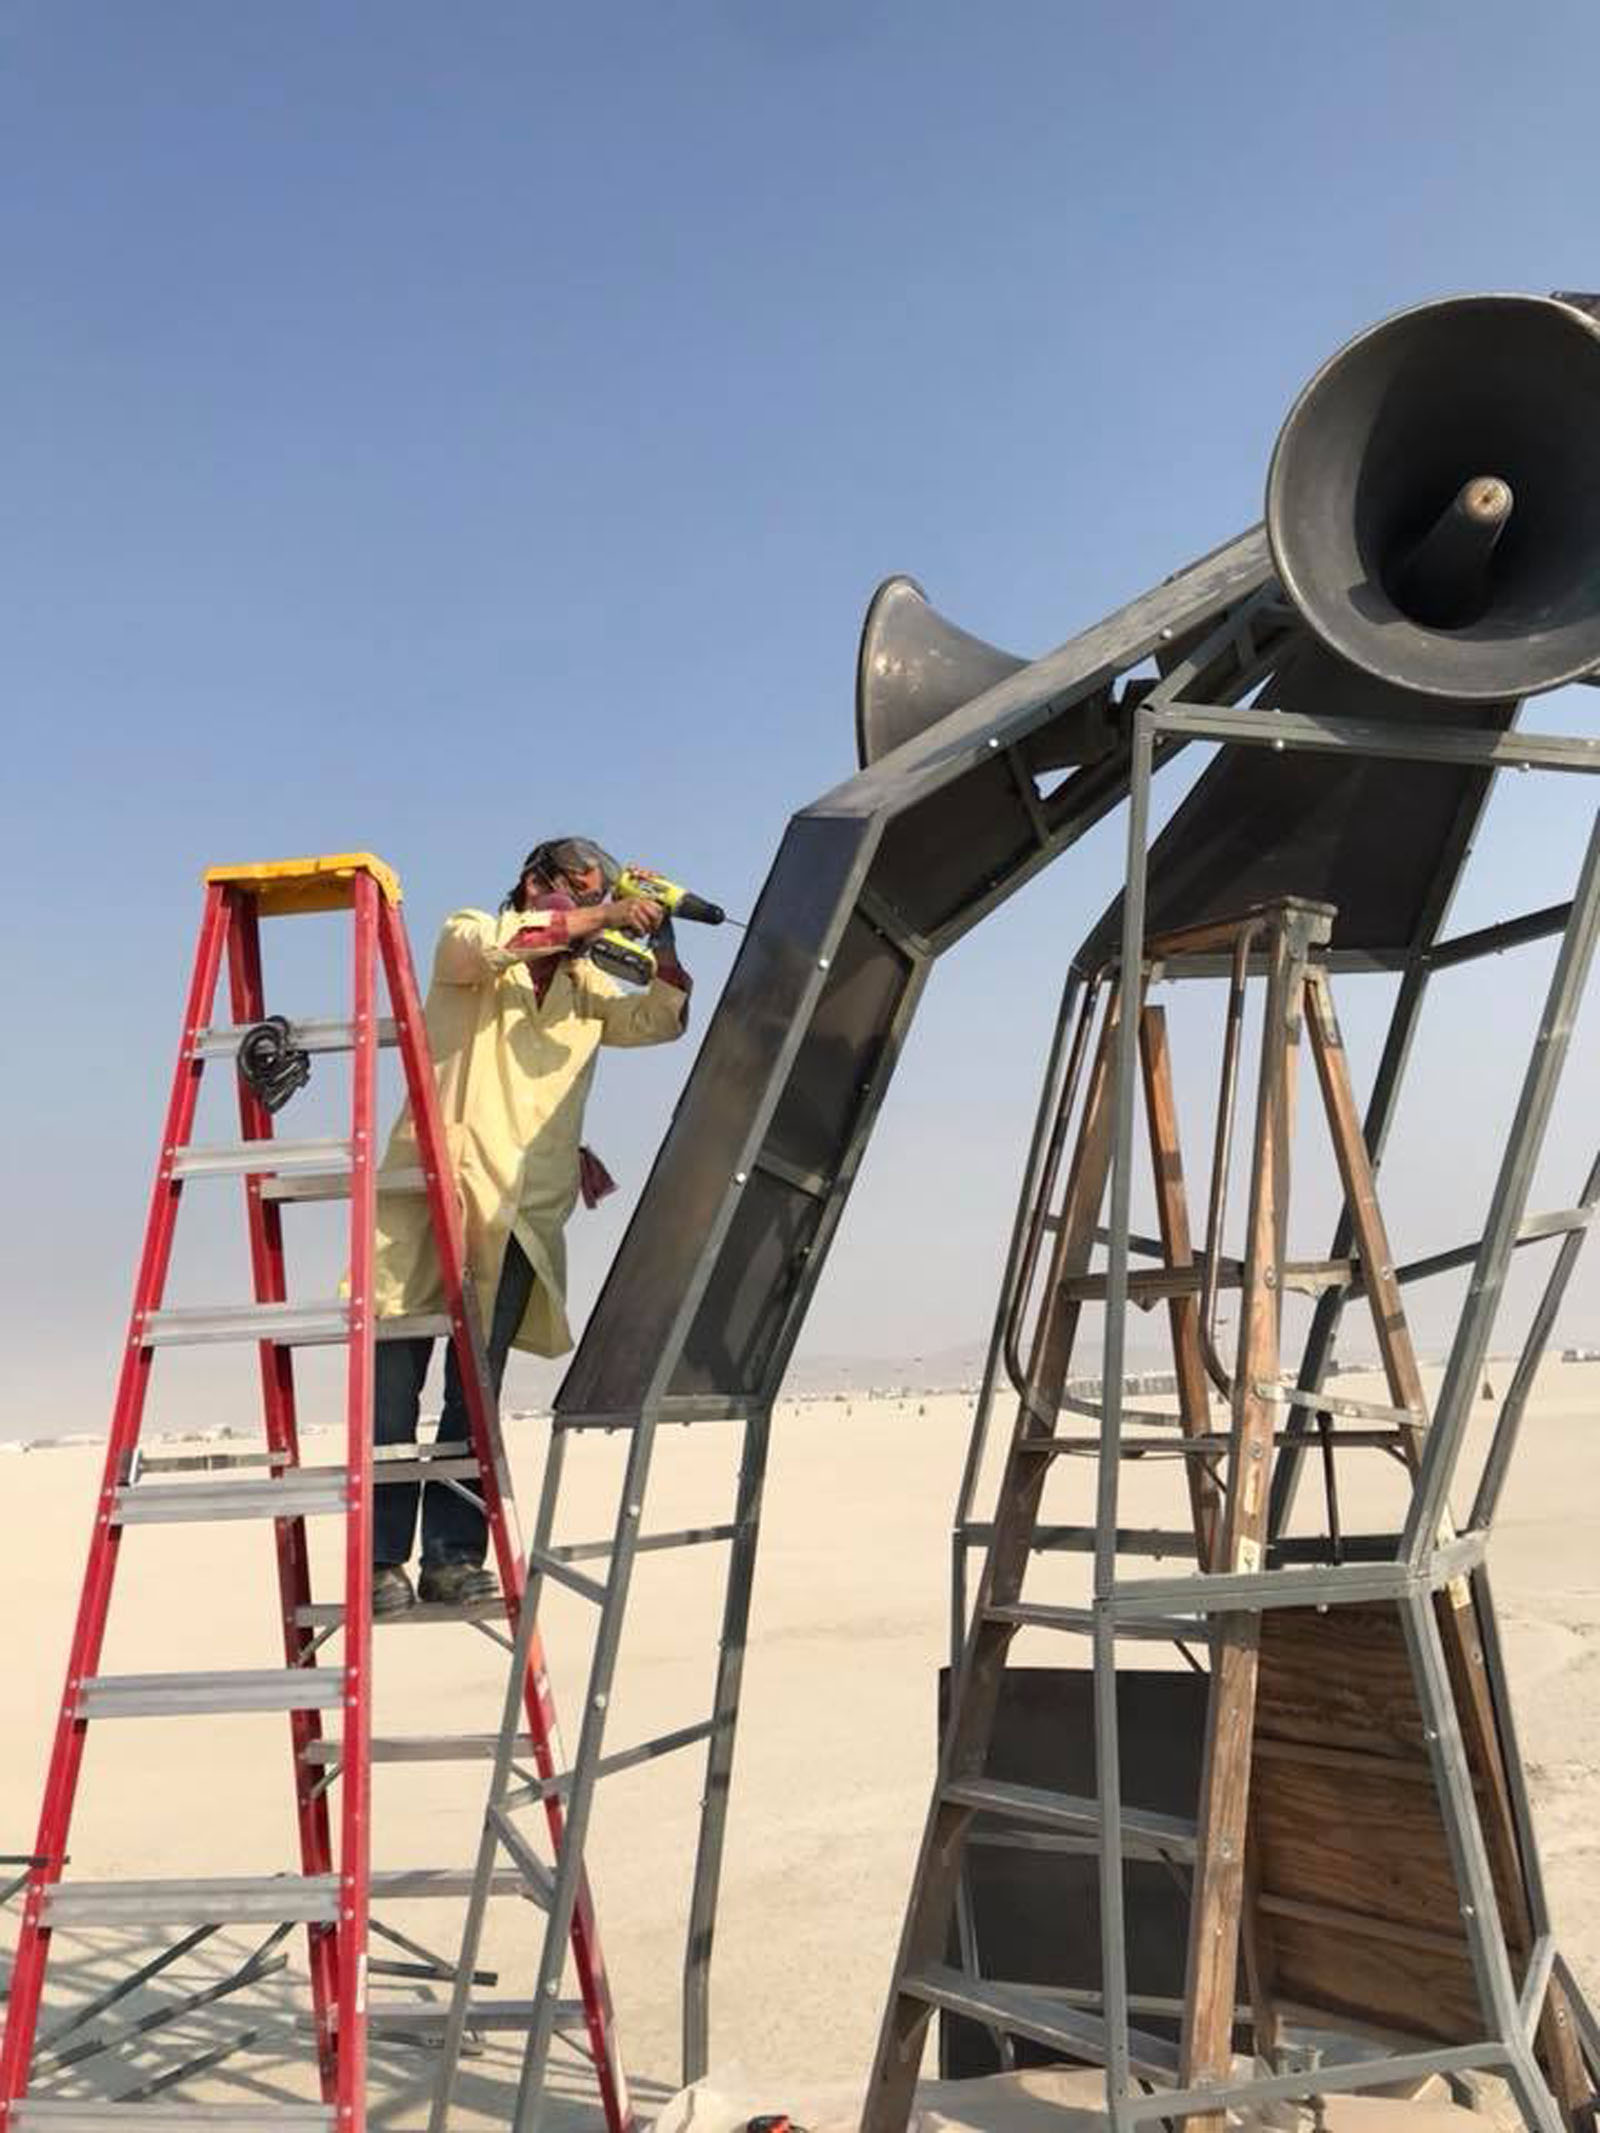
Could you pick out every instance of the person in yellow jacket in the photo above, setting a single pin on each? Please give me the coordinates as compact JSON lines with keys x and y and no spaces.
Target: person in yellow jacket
{"x":516,"y":1013}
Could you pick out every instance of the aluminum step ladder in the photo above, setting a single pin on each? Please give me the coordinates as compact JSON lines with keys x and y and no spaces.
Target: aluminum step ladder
{"x":334,"y":1889}
{"x":516,"y":1796}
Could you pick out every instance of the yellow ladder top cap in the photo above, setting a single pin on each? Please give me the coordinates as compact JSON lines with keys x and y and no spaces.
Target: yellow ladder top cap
{"x":285,"y":887}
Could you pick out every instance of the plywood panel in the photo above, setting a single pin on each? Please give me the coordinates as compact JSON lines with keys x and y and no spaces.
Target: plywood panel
{"x":1374,"y":1984}
{"x":1342,"y":1678}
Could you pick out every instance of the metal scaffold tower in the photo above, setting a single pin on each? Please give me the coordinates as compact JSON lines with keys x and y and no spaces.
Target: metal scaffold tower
{"x":333,"y":1886}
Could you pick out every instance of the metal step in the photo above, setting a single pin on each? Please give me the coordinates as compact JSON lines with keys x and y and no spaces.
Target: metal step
{"x":284,"y":1324}
{"x":42,"y":2114}
{"x":1145,"y":1835}
{"x":228,"y":1159}
{"x":268,"y":1899}
{"x":329,"y":1614}
{"x":408,"y":2018}
{"x":205,"y":1462}
{"x":420,"y":1748}
{"x":280,"y":1688}
{"x":319,"y":1034}
{"x":306,"y":1492}
{"x":1028,"y":2011}
{"x":338,"y":1187}
{"x":424,"y":1884}
{"x":1079,"y":1621}
{"x":298,"y":1492}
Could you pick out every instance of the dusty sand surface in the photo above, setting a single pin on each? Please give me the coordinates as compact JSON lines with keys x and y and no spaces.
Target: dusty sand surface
{"x":835,"y":1752}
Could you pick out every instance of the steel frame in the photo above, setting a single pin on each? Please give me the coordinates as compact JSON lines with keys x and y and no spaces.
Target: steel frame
{"x":1416,"y":1563}
{"x":1217,"y":625}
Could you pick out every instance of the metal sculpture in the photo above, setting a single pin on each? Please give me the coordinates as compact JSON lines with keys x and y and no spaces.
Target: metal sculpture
{"x":1433,"y":557}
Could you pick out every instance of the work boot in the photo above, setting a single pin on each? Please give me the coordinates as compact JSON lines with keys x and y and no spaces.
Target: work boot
{"x":456,"y":1585}
{"x":391,"y":1591}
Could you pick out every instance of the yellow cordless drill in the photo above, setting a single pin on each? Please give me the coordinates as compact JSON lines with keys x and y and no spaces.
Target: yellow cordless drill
{"x":629,"y":955}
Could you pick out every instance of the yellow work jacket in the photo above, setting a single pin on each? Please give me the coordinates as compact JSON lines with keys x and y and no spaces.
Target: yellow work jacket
{"x":513,"y":1074}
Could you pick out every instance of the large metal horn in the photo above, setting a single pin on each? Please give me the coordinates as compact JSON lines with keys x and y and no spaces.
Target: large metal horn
{"x":914,"y":668}
{"x":1434,"y":499}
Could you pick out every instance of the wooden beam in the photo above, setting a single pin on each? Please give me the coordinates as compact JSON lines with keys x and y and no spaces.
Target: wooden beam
{"x":1183,"y":1308}
{"x":1218,"y":1898}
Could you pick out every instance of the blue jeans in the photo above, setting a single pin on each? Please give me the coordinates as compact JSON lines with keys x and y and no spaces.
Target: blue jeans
{"x":453,"y":1530}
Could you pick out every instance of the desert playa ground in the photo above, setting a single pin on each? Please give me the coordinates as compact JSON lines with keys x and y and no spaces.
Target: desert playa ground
{"x":834,"y":1759}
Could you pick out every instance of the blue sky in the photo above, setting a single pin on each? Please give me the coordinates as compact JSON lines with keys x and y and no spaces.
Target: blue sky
{"x":430,"y":428}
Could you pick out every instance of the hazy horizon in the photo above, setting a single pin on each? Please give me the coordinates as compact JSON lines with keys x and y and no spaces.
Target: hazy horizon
{"x":432,"y":431}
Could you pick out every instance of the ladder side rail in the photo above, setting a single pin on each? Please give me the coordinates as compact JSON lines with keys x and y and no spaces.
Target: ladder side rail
{"x":1438,"y":1695}
{"x":504,"y":1755}
{"x":1507,"y":1206}
{"x":264,"y":1225}
{"x":1122,"y":1078}
{"x":571,"y":1887}
{"x":1535,"y":1341}
{"x":731,"y":1644}
{"x":27,"y":1979}
{"x":1358,"y":1180}
{"x":530,"y":1678}
{"x":1026,"y":1225}
{"x":1516,"y":1866}
{"x":355,"y":1803}
{"x":975,"y":1693}
{"x":1219,"y":1882}
{"x":1194,"y":1398}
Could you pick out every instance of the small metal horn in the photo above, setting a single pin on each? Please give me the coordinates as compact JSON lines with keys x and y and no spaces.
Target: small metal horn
{"x":914,"y":668}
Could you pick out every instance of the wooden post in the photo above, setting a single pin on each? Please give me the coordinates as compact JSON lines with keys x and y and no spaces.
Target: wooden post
{"x":1217,"y":1903}
{"x":1183,"y":1312}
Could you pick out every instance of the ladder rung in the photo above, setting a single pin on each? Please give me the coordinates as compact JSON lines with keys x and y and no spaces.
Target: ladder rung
{"x":536,"y":1875}
{"x":273,"y":1899}
{"x":561,"y":1572}
{"x":1356,"y":1410}
{"x":1079,"y":1621}
{"x":299,"y":1492}
{"x":281,"y":1688}
{"x":226,"y":1159}
{"x":206,"y":1462}
{"x":284,"y":1324}
{"x":419,"y":1748}
{"x":421,"y":1464}
{"x":418,"y":1884}
{"x":32,"y":2114}
{"x":337,"y":1187}
{"x":329,"y":1614}
{"x":305,"y":1493}
{"x":1026,"y":2011}
{"x":1081,"y":1540}
{"x":1143,"y":1834}
{"x":315,"y":1035}
{"x":412,"y":2019}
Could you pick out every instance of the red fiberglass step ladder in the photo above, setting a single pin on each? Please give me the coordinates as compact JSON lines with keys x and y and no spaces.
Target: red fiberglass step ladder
{"x":335,"y":1886}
